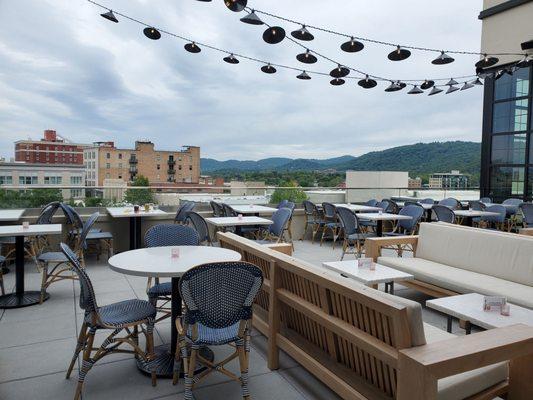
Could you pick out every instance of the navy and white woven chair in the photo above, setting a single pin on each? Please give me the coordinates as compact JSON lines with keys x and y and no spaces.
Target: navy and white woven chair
{"x":427,"y":201}
{"x":527,"y":214}
{"x":444,"y":213}
{"x":275,"y":232}
{"x":288,"y":228}
{"x":183,"y":211}
{"x":407,"y":227}
{"x":354,"y":238}
{"x":451,"y":203}
{"x":55,"y":265}
{"x":215,"y":317}
{"x":331,"y":222}
{"x":166,"y":235}
{"x":495,"y":221}
{"x":371,"y":203}
{"x":486,"y":200}
{"x":476,"y":206}
{"x":282,"y":204}
{"x":127,"y":316}
{"x":512,"y":212}
{"x":218,"y":210}
{"x":313,"y":219}
{"x":200,"y":225}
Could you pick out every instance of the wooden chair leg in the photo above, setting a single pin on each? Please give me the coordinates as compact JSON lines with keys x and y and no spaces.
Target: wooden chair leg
{"x":86,"y":364}
{"x":44,"y":273}
{"x":189,"y":377}
{"x":243,"y":363}
{"x":150,"y":346}
{"x":79,"y":347}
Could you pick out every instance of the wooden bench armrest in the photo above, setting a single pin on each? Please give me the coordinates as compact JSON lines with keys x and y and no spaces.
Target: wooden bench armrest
{"x":373,"y":246}
{"x":465,"y":353}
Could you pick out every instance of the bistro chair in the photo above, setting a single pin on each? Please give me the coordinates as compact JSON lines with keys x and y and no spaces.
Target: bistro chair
{"x":282,"y":204}
{"x":200,"y":226}
{"x":275,"y":232}
{"x":166,"y":235}
{"x":486,"y":200}
{"x":527,"y":214}
{"x":215,"y":317}
{"x":183,"y":211}
{"x":451,"y":203}
{"x":371,"y":203}
{"x":124,"y":316}
{"x":477,"y":206}
{"x":55,"y":265}
{"x":444,"y":213}
{"x":495,"y":221}
{"x":331,"y":222}
{"x":407,"y":227}
{"x":218,"y":210}
{"x":354,"y":238}
{"x":313,"y":219}
{"x":512,"y":212}
{"x":427,"y":200}
{"x":288,"y":227}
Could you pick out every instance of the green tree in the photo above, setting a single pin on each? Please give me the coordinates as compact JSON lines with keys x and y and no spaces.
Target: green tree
{"x":295,"y":195}
{"x":139,"y":196}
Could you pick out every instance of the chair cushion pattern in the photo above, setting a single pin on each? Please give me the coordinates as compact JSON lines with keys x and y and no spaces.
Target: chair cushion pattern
{"x":160,"y":289}
{"x":52,"y":256}
{"x":124,"y":312}
{"x":212,"y":336}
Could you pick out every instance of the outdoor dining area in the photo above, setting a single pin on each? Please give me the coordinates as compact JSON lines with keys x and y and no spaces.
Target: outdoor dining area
{"x":401,"y":298}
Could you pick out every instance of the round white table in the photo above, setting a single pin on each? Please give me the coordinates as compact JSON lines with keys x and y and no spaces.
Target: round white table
{"x":158,"y":262}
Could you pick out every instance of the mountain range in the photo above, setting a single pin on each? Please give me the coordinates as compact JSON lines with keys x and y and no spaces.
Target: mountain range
{"x":417,"y":159}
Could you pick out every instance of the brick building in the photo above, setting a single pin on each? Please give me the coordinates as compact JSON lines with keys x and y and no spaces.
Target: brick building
{"x":51,"y":149}
{"x":104,"y":161}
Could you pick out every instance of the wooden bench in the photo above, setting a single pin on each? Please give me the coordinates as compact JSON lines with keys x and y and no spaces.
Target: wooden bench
{"x":359,"y":342}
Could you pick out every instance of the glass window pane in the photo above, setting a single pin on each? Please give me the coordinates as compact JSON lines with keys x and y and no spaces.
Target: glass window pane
{"x":511,"y":86}
{"x":506,"y":182}
{"x":510,"y":116}
{"x":509,"y":149}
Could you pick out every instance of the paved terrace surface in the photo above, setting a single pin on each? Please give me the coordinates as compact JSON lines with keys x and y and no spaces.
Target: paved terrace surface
{"x":37,"y":343}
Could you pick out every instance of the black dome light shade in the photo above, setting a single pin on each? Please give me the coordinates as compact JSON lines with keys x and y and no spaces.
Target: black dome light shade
{"x":477,"y":82}
{"x":399,"y":54}
{"x":452,"y":82}
{"x":236,"y":5}
{"x":339,"y":72}
{"x":268,"y":69}
{"x":523,"y":63}
{"x":487,"y":61}
{"x":110,"y":16}
{"x":442,"y":59}
{"x":302,"y":34}
{"x":427,"y":84}
{"x":367,"y":83}
{"x":467,"y":85}
{"x":452,"y":89}
{"x":252,"y":19}
{"x":435,"y":91}
{"x":152,"y":33}
{"x":304,"y":76}
{"x":393,"y":87}
{"x":415,"y":90}
{"x":231,"y":59}
{"x":274,"y":34}
{"x":352,"y":46}
{"x":337,"y":82}
{"x":192,"y":48}
{"x":306,"y":58}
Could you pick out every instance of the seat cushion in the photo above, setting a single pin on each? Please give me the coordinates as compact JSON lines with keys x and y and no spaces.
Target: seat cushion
{"x":460,"y":280}
{"x":52,"y":256}
{"x":460,"y":386}
{"x":125,"y":312}
{"x":160,"y":289}
{"x":212,"y":336}
{"x":99,"y":236}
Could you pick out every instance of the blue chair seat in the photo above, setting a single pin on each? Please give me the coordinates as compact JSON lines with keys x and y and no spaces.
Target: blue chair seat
{"x":359,"y":236}
{"x":99,"y":235}
{"x":52,"y":256}
{"x":124,"y":312}
{"x":212,"y":336}
{"x":74,"y":232}
{"x":160,"y":289}
{"x":367,"y":223}
{"x":333,"y":225}
{"x":394,"y":234}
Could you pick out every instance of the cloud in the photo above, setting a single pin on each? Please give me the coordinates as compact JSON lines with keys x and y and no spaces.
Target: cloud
{"x":64,"y":67}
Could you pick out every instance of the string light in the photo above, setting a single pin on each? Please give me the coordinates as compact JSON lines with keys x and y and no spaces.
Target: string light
{"x":302,"y":34}
{"x":235,"y":5}
{"x":306,"y":58}
{"x":268,"y":69}
{"x":152,"y":33}
{"x":399,"y":54}
{"x":252,"y":19}
{"x":415,"y":90}
{"x":110,"y":16}
{"x":274,"y":34}
{"x":192,"y":48}
{"x":435,"y":91}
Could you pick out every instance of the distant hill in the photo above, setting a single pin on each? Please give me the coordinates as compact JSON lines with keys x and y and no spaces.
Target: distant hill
{"x":418,"y":159}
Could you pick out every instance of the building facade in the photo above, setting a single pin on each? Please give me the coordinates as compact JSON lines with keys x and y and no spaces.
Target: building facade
{"x":104,"y":161}
{"x":507,"y":148}
{"x":448,"y":180}
{"x":51,"y":149}
{"x":25,"y":175}
{"x":414,"y":183}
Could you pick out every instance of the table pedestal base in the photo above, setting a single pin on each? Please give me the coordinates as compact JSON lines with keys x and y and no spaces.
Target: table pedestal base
{"x":164,"y":362}
{"x":24,"y":299}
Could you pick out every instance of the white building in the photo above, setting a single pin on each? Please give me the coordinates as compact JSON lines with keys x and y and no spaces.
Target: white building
{"x":48,"y":176}
{"x":364,"y":185}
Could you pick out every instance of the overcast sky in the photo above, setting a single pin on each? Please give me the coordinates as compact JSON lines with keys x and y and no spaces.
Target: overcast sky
{"x":64,"y":67}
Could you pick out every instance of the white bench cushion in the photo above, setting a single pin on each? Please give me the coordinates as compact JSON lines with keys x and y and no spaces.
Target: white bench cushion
{"x":483,"y":251}
{"x":461,"y":280}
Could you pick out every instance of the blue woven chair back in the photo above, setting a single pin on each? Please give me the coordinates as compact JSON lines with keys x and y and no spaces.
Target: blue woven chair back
{"x":414,"y":211}
{"x":218,"y":295}
{"x":450,"y":202}
{"x":496,"y":208}
{"x":477,"y":205}
{"x":329,"y":210}
{"x":183,"y":211}
{"x":309,"y":207}
{"x":444,"y":214}
{"x":86,"y":228}
{"x":47,"y":212}
{"x":76,"y":220}
{"x":383,"y":204}
{"x":171,"y":235}
{"x":371,"y":203}
{"x":486,"y":200}
{"x":348,"y":220}
{"x":290,"y":205}
{"x":199,"y":224}
{"x":282,"y":203}
{"x":514,"y":203}
{"x":280,"y":218}
{"x":218,"y":211}
{"x":87,"y":296}
{"x":527,"y":213}
{"x":228,"y":210}
{"x":410,"y":203}
{"x":427,"y":201}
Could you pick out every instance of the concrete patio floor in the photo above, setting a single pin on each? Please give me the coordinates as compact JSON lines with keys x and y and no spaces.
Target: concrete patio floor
{"x":37,"y":343}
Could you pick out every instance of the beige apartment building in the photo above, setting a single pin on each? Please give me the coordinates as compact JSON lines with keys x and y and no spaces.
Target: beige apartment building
{"x":105,"y":162}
